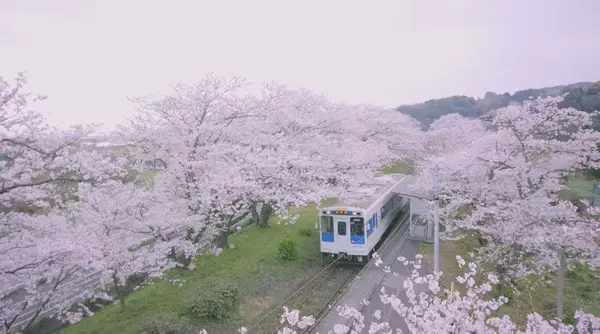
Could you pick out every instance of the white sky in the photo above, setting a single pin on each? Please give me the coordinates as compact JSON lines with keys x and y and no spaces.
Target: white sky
{"x":88,"y":55}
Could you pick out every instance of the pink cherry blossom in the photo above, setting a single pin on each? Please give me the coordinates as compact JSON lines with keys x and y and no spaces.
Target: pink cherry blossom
{"x":447,"y":312}
{"x":39,"y":169}
{"x":511,"y":178}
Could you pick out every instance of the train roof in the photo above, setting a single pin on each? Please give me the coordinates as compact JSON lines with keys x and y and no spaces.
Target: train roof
{"x":404,"y":189}
{"x":366,"y":193}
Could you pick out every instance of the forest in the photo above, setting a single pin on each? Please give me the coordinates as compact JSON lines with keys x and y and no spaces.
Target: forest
{"x":584,"y":96}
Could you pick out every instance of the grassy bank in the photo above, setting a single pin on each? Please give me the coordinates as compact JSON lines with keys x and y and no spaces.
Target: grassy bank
{"x":536,"y":294}
{"x":400,"y":167}
{"x":252,"y":266}
{"x":580,"y":186}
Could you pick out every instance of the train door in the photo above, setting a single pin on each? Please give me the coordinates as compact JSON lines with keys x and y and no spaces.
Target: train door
{"x":327,"y":229}
{"x":357,"y":231}
{"x":342,"y":232}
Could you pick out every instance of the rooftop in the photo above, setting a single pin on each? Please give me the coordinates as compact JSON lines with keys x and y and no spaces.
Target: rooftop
{"x":366,"y":193}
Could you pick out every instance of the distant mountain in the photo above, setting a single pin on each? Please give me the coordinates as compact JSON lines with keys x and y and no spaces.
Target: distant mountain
{"x":582,"y":95}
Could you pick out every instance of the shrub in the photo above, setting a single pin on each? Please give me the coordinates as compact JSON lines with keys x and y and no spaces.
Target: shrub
{"x":164,"y":323}
{"x":287,"y":248}
{"x":506,"y":289}
{"x":215,"y":300}
{"x":307,"y":232}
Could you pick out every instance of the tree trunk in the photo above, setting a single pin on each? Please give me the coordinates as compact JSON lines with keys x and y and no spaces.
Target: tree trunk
{"x":222,"y":239}
{"x":119,"y":290}
{"x":183,"y":260}
{"x":560,"y":284}
{"x":255,"y":215}
{"x":195,"y":236}
{"x":265,"y":213}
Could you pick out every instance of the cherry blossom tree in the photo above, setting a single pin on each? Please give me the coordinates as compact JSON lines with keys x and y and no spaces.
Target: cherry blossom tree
{"x":511,"y":179}
{"x":38,"y":167}
{"x":400,"y":134}
{"x":186,"y":131}
{"x":319,"y":146}
{"x":227,"y":150}
{"x":125,"y":230}
{"x":446,"y":135}
{"x":465,"y":308}
{"x":37,"y":261}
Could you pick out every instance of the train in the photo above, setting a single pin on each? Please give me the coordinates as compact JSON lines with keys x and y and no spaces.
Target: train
{"x":351,"y":229}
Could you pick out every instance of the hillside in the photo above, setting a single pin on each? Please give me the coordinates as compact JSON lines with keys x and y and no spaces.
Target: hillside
{"x":582,"y":95}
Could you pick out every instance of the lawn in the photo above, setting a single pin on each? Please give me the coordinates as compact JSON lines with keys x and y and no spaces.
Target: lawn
{"x":580,"y":186}
{"x":537,"y":294}
{"x":251,"y":265}
{"x":399,"y":167}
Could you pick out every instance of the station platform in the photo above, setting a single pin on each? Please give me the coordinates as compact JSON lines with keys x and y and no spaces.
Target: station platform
{"x":375,"y":277}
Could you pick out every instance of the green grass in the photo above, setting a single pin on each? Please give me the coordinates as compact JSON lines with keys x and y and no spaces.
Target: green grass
{"x":537,"y":294}
{"x":143,"y":176}
{"x":252,"y":265}
{"x":448,"y":252}
{"x":580,"y":186}
{"x":399,"y":167}
{"x":146,"y":176}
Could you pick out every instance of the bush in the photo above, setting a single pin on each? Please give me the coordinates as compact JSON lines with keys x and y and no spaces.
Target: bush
{"x":307,"y":232}
{"x":215,"y":300}
{"x":506,"y":289}
{"x":287,"y":248}
{"x":164,"y":323}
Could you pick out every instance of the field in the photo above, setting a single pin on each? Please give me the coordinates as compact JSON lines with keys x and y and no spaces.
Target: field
{"x":252,"y":266}
{"x":537,"y":294}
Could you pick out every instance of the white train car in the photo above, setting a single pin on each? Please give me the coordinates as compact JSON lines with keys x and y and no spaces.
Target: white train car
{"x":352,"y":228}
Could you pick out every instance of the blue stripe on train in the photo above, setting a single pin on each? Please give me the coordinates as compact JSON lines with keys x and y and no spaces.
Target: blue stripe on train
{"x":357,"y":240}
{"x":327,"y":237}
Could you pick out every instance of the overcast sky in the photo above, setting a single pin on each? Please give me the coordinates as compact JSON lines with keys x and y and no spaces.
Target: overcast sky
{"x":88,"y":55}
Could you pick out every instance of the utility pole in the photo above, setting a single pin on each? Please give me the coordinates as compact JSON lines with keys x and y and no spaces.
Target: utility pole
{"x":436,"y":222}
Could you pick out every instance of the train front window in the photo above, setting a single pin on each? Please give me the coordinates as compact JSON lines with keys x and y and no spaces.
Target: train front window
{"x":357,"y":226}
{"x":326,"y":224}
{"x":342,"y":228}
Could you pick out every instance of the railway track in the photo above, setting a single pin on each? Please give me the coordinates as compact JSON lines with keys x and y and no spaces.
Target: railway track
{"x":353,"y":272}
{"x":313,"y":288}
{"x":317,"y":283}
{"x":399,"y":228}
{"x":325,"y":308}
{"x":348,"y":272}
